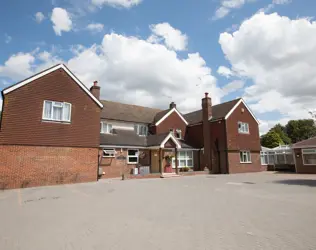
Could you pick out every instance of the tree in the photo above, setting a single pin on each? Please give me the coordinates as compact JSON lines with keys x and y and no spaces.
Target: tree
{"x":298,"y":130}
{"x":271,"y":139}
{"x":281,"y":130}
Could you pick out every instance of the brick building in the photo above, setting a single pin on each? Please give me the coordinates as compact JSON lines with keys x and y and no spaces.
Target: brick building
{"x":55,"y":130}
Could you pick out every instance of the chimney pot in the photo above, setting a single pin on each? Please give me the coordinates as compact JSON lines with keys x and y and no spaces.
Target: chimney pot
{"x":95,"y":90}
{"x":206,"y":94}
{"x":172,"y":105}
{"x":95,"y":83}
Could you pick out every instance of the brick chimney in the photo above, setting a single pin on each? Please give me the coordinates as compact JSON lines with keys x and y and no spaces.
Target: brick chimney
{"x":95,"y":90}
{"x":172,"y":105}
{"x":206,"y":114}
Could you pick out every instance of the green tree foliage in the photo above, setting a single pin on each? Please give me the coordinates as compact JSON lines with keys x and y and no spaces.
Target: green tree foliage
{"x":271,"y":139}
{"x":281,"y":130}
{"x":299,"y":130}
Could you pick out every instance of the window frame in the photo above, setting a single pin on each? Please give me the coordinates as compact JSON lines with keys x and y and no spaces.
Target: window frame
{"x":108,"y":149}
{"x":242,"y":129}
{"x":108,"y":130}
{"x":132,"y":156}
{"x":176,"y":132}
{"x":264,"y":154}
{"x":310,"y":153}
{"x":138,"y":129}
{"x":241,"y":158}
{"x":57,"y":104}
{"x":184,"y":157}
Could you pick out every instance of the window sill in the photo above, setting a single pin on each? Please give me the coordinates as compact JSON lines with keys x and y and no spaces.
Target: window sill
{"x":108,"y":156}
{"x":132,"y":163}
{"x":246,"y":162}
{"x":107,"y":133}
{"x":53,"y":121}
{"x":244,"y":133}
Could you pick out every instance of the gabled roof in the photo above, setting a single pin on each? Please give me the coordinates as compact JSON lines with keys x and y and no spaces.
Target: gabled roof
{"x":47,"y":71}
{"x":161,"y":116}
{"x":219,"y":111}
{"x":309,"y":143}
{"x":127,"y":112}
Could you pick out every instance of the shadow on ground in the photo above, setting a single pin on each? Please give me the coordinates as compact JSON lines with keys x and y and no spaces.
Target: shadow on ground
{"x":299,"y":182}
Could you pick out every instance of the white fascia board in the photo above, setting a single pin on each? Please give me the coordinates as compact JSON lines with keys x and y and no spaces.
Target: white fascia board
{"x":59,"y":66}
{"x":169,"y":113}
{"x":170,"y":136}
{"x":236,"y":105}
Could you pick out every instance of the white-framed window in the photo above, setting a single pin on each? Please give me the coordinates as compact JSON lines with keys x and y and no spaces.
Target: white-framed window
{"x":178,"y":134}
{"x":243,"y":128}
{"x":56,"y":111}
{"x":108,"y":152}
{"x":132,"y":156}
{"x":264,"y":157}
{"x":245,"y":157}
{"x":309,"y":156}
{"x":106,"y":128}
{"x":185,"y":159}
{"x":141,"y":129}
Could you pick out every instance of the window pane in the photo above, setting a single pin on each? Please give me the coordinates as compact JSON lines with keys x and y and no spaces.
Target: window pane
{"x":132,"y":159}
{"x":182,"y":163}
{"x":190,"y":163}
{"x":309,"y":159}
{"x":109,"y":128}
{"x":57,"y":113}
{"x":132,"y":152}
{"x":47,"y":110}
{"x":241,"y":156}
{"x":67,"y":108}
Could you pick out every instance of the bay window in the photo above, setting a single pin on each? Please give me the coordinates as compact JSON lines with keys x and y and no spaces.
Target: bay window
{"x":57,"y":111}
{"x":185,"y":159}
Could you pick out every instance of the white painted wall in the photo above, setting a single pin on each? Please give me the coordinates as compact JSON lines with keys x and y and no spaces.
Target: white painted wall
{"x":121,"y":125}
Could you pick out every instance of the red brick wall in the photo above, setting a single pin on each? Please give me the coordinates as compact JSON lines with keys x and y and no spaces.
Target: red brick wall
{"x":173,"y":121}
{"x":194,"y":135}
{"x":115,"y":168}
{"x":219,"y":159}
{"x":236,"y":167}
{"x":300,"y":167}
{"x":28,"y":166}
{"x":236,"y":141}
{"x":22,"y":114}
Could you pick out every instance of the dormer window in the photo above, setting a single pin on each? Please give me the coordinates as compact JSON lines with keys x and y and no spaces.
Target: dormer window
{"x":106,"y":128}
{"x":141,"y":129}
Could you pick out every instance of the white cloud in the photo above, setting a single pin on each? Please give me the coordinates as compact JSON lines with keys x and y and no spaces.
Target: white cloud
{"x":274,"y":3}
{"x":224,"y":71}
{"x":227,"y":6}
{"x":282,"y":65}
{"x":281,"y":1}
{"x":61,"y":20}
{"x":7,"y":38}
{"x":173,"y":38}
{"x":116,"y":3}
{"x":233,"y":86}
{"x":135,"y":71}
{"x":95,"y":27}
{"x":130,"y":70}
{"x":18,"y":66}
{"x":39,"y":17}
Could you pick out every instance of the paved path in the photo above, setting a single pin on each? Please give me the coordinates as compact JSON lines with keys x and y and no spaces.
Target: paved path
{"x":246,"y":211}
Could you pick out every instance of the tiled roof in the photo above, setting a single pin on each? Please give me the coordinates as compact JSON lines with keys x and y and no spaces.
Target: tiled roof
{"x":130,"y":138}
{"x":218,"y":111}
{"x":311,"y":142}
{"x":127,"y":112}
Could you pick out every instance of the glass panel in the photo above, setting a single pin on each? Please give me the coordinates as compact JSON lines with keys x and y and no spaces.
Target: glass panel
{"x":66,"y":110}
{"x":47,"y":110}
{"x":190,"y":154}
{"x":109,"y":128}
{"x":57,"y":113}
{"x":182,"y":163}
{"x":310,"y":159}
{"x":132,"y":159}
{"x":190,"y":163}
{"x":241,"y":156}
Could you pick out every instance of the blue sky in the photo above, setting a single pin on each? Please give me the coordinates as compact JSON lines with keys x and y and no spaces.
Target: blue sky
{"x":152,"y":52}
